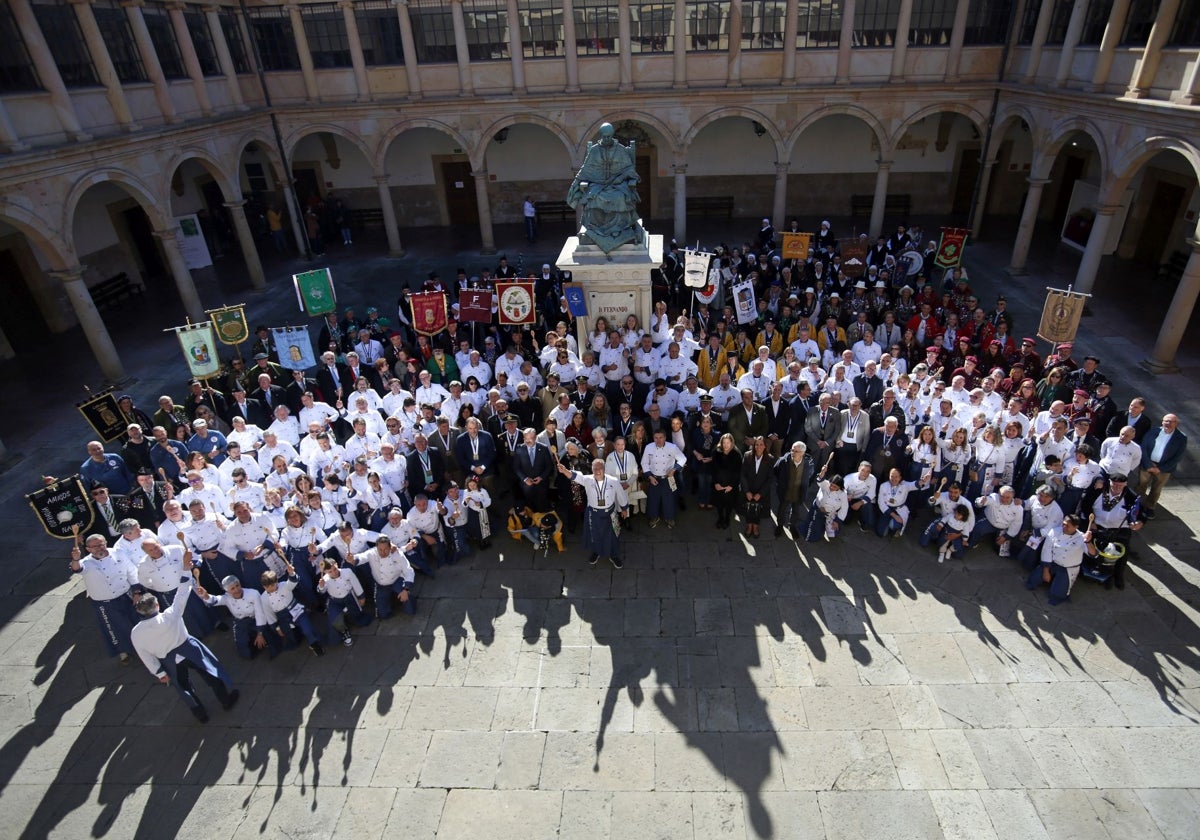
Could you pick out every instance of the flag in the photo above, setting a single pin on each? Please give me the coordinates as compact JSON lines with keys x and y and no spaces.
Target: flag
{"x":743,"y":302}
{"x":294,"y":346}
{"x":695,"y":269}
{"x":315,"y":292}
{"x":576,"y":299}
{"x":516,"y":303}
{"x":104,"y":415}
{"x":796,"y":245}
{"x":1060,"y":315}
{"x":63,"y":508}
{"x":475,"y":305}
{"x":429,"y":312}
{"x":230,"y":323}
{"x":709,"y":293}
{"x":854,"y":256}
{"x":951,"y":247}
{"x":199,"y":345}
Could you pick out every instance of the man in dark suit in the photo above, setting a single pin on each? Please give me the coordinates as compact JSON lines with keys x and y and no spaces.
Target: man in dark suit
{"x":867,"y":386}
{"x":625,"y":391}
{"x":885,"y":449}
{"x":534,"y":469}
{"x":1081,"y":433}
{"x":269,"y":395}
{"x":793,"y":480}
{"x":251,"y":411}
{"x":822,"y":430}
{"x":746,"y":421}
{"x":109,"y":510}
{"x":426,"y":469}
{"x":355,"y":369}
{"x":1135,"y":416}
{"x":475,"y":451}
{"x":508,"y":440}
{"x":779,"y":421}
{"x":294,"y":392}
{"x":654,"y":422}
{"x":146,"y":500}
{"x":528,"y":410}
{"x":1162,"y":450}
{"x":333,"y":379}
{"x":263,"y":364}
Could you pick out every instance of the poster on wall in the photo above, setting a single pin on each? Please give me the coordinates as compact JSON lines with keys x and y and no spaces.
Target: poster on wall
{"x":191,"y":242}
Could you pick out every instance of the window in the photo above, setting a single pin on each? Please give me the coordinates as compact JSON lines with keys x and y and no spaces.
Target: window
{"x":931,"y":23}
{"x":875,"y":23}
{"x":433,"y":30}
{"x":987,"y":22}
{"x":819,"y":24}
{"x":1029,"y":21}
{"x":379,"y":31}
{"x":326,"y":30}
{"x":1095,"y":22}
{"x":113,"y":21}
{"x":652,"y":26}
{"x":708,"y":25}
{"x":271,"y":28}
{"x":60,"y":27}
{"x":16,"y":71}
{"x":541,"y":28}
{"x":762,"y":24}
{"x":256,"y":177}
{"x":1139,"y":22}
{"x":487,"y":29}
{"x":232,"y":31}
{"x":202,"y":40}
{"x":1186,"y":31}
{"x":1059,"y":19}
{"x":162,"y":35}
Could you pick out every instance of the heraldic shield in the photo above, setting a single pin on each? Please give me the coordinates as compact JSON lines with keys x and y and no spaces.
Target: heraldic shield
{"x":63,"y":508}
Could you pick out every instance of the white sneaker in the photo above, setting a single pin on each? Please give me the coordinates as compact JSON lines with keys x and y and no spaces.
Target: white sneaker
{"x":1005,"y":550}
{"x":942,"y":554}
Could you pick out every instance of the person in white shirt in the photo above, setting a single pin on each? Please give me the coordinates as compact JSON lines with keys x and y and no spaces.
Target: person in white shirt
{"x":272,"y":447}
{"x":425,"y":520}
{"x":1120,"y":455}
{"x":861,"y":490}
{"x":758,"y":381}
{"x":235,"y":459}
{"x":406,"y":539}
{"x":866,"y":349}
{"x":107,"y":580}
{"x":364,"y":443}
{"x":1003,"y":516}
{"x":244,"y":490}
{"x":725,"y":396}
{"x":666,"y":399}
{"x":431,"y":393}
{"x":478,"y":368}
{"x":893,"y":505}
{"x":606,"y":503}
{"x":614,"y":358}
{"x":346,"y":600}
{"x":1062,"y":556}
{"x":285,"y":427}
{"x":312,"y":411}
{"x":829,"y":510}
{"x":1044,"y":514}
{"x":393,"y":576}
{"x":159,"y":570}
{"x":945,"y":529}
{"x":805,"y":346}
{"x":288,"y":613}
{"x":212,"y":497}
{"x":838,"y":386}
{"x":251,"y":632}
{"x":645,"y":361}
{"x":246,"y":435}
{"x":660,"y":461}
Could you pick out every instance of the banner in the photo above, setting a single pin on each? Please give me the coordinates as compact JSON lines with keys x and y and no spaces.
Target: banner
{"x":315,"y":292}
{"x":796,"y":245}
{"x":294,"y":347}
{"x":104,"y":415}
{"x":576,"y":300}
{"x":191,"y":242}
{"x":695,"y":269}
{"x":230,"y":323}
{"x":1060,"y":315}
{"x":475,"y":305}
{"x":951,"y":247}
{"x":200,"y":349}
{"x":743,"y":302}
{"x":516,"y":304}
{"x":63,"y":508}
{"x":429,"y":312}
{"x":854,"y":257}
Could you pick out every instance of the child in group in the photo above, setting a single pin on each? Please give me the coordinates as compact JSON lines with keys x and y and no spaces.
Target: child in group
{"x":956,"y":528}
{"x":346,"y":600}
{"x":290,"y":615}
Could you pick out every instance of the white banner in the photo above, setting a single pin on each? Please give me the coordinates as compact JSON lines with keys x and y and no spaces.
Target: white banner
{"x":743,"y":302}
{"x":199,"y":345}
{"x":294,"y":346}
{"x":695,"y":269}
{"x":191,"y":242}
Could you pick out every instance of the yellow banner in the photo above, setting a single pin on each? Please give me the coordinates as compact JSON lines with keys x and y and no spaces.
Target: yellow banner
{"x":795,"y":245}
{"x":1060,"y":315}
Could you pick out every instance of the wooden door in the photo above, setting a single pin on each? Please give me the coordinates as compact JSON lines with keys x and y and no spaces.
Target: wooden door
{"x":461,"y":205}
{"x":1160,"y":220}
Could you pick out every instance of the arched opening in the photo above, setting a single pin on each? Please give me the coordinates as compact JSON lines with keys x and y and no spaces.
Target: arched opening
{"x":733,"y":157}
{"x":1075,"y":175}
{"x":936,"y":162}
{"x":335,"y":188}
{"x":430,"y":179}
{"x":833,"y":158}
{"x":31,"y":308}
{"x":113,"y":234}
{"x":258,"y":176}
{"x":1012,"y":143}
{"x":654,"y":154}
{"x":525,"y":159}
{"x":197,"y":195}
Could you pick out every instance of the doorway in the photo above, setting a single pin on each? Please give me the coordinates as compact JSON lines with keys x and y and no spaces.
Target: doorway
{"x":20,"y":318}
{"x":1072,"y":171}
{"x":308,"y":186}
{"x":145,"y":246}
{"x":462,"y":208}
{"x":645,"y":171}
{"x":1160,"y":221}
{"x":964,"y":187}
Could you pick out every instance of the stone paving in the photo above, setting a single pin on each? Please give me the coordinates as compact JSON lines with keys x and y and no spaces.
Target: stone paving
{"x":712,"y":688}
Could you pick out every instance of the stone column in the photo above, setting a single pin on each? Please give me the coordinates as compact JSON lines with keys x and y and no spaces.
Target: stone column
{"x":779,"y":205}
{"x":102,"y":61}
{"x":303,"y":53}
{"x":141,"y":35}
{"x":570,"y":52}
{"x":483,"y":202}
{"x":1162,"y":359}
{"x":980,"y":208}
{"x":900,"y":45}
{"x":624,"y":35}
{"x":1147,"y":68}
{"x":237,"y":212}
{"x":1189,"y":92}
{"x":679,"y":42}
{"x":460,"y":48}
{"x":93,"y":325}
{"x":1085,"y":276}
{"x":791,"y":24}
{"x":412,"y":70}
{"x":191,"y":62}
{"x":879,"y":204}
{"x":181,"y":274}
{"x":1108,"y":45}
{"x":297,"y":218}
{"x":733,"y":76}
{"x":357,"y":59}
{"x":10,"y":141}
{"x":1033,"y":201}
{"x":957,"y":35}
{"x":845,"y":42}
{"x":1071,"y":40}
{"x":47,"y":70}
{"x":516,"y":51}
{"x":389,"y":216}
{"x":680,"y":170}
{"x":1040,"y":30}
{"x":224,"y":56}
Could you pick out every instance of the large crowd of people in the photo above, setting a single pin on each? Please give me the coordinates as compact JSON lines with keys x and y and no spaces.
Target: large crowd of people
{"x":890,"y":403}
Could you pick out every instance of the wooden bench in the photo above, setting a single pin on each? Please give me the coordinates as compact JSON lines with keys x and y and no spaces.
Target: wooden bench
{"x":710,"y":205}
{"x":897,"y":204}
{"x":110,"y":291}
{"x":367,"y":217}
{"x":559,"y":210}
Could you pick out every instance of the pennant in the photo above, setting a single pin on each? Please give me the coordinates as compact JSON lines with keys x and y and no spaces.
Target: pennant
{"x":576,"y":300}
{"x":199,"y":345}
{"x":104,"y":415}
{"x":744,"y":303}
{"x":854,"y":257}
{"x":951,"y":247}
{"x":1060,"y":315}
{"x":516,"y":303}
{"x":429,"y":312}
{"x":315,"y":292}
{"x":230,"y":323}
{"x":695,"y":269}
{"x":475,"y":305}
{"x":796,"y":245}
{"x":709,"y":293}
{"x":294,"y":346}
{"x":63,"y":508}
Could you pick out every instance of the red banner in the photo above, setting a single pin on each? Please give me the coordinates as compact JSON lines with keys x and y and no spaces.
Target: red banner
{"x":429,"y":312}
{"x":854,"y":256}
{"x":475,"y":305}
{"x":516,"y":303}
{"x":950,"y":249}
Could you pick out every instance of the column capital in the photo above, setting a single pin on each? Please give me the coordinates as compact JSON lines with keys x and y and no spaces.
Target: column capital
{"x":210,"y":8}
{"x":383,"y":178}
{"x":345,"y":4}
{"x":175,"y":5}
{"x":479,"y":173}
{"x":234,"y":205}
{"x":1107,"y":209}
{"x":782,"y":168}
{"x":884,"y":164}
{"x":1037,"y":182}
{"x":679,"y":168}
{"x":169,"y":235}
{"x":403,"y":3}
{"x":81,"y":2}
{"x":128,"y":4}
{"x":71,"y":274}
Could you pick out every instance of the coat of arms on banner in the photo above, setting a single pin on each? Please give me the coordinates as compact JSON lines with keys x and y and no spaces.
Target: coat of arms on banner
{"x":63,"y":508}
{"x":104,"y":415}
{"x":516,"y":303}
{"x":854,"y":256}
{"x":230,"y":323}
{"x":1060,"y":315}
{"x":199,"y":346}
{"x":315,"y":292}
{"x":295,"y":347}
{"x":795,"y":245}
{"x":429,"y":312}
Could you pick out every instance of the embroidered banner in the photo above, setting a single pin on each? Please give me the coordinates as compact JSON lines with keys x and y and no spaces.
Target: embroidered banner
{"x":295,"y":347}
{"x":743,"y":302}
{"x":475,"y":306}
{"x":230,"y":323}
{"x":315,"y":292}
{"x":199,"y":348}
{"x":64,"y":508}
{"x":951,"y":247}
{"x":516,"y":303}
{"x":1060,"y":315}
{"x":796,"y":245}
{"x":854,"y":257}
{"x":429,"y":312}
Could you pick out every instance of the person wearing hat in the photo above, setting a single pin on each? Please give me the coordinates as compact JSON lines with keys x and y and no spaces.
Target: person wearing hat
{"x":1030,"y":358}
{"x":831,"y":337}
{"x":1087,"y":377}
{"x":1062,"y":357}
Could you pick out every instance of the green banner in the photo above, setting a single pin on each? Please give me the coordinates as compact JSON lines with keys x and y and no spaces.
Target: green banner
{"x":314,"y":291}
{"x":231,"y":324}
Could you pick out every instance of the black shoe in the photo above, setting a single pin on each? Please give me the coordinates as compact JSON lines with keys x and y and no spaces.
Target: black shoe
{"x":232,"y":701}
{"x":200,"y":714}
{"x":316,"y":648}
{"x":486,"y":544}
{"x":1149,"y":513}
{"x":592,"y":560}
{"x":616,"y":562}
{"x":778,"y":531}
{"x":682,"y":504}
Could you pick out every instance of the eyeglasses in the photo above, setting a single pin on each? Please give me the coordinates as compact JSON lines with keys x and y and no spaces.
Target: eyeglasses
{"x":195,"y":481}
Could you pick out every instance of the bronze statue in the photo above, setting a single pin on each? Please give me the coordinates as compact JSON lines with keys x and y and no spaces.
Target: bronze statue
{"x":605,"y":191}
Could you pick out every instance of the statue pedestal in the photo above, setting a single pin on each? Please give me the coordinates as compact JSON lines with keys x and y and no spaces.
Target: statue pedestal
{"x":616,"y":285}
